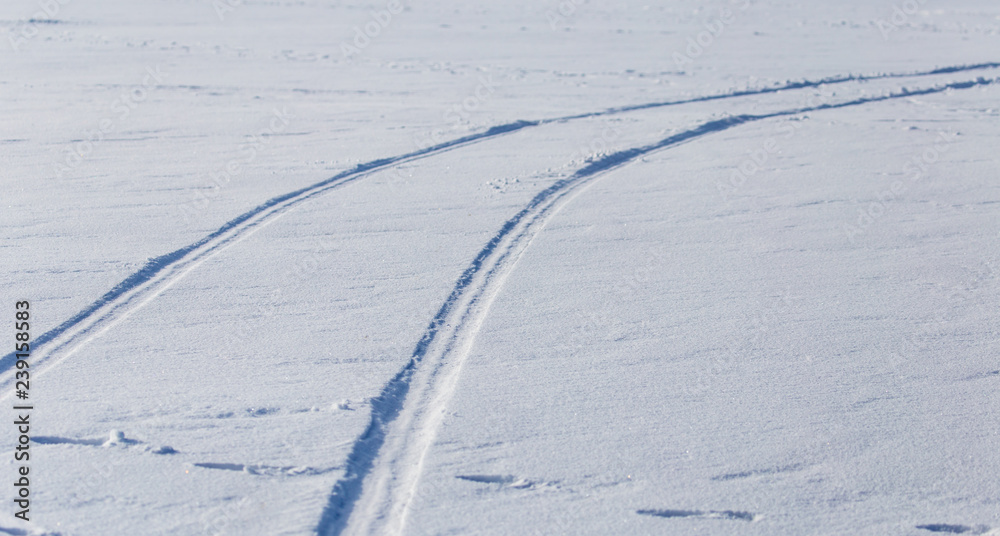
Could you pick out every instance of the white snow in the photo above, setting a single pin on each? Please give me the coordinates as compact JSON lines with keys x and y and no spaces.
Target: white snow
{"x":528,"y":267}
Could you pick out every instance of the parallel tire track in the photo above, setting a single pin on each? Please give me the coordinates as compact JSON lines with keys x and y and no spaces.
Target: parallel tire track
{"x":160,"y":273}
{"x":386,"y":461}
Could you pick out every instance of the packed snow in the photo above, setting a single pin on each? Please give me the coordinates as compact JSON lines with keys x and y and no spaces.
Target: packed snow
{"x":296,"y":267}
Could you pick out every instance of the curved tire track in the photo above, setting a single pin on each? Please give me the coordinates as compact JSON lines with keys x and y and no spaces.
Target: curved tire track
{"x":386,"y":461}
{"x":159,"y":273}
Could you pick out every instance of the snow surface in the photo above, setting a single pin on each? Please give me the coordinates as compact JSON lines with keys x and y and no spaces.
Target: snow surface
{"x":521,"y":267}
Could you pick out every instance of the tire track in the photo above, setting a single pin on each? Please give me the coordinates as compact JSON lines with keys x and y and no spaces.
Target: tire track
{"x":386,"y":461}
{"x":159,"y":273}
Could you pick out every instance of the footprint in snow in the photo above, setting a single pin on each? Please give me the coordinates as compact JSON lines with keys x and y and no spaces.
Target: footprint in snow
{"x":993,"y":374}
{"x":758,"y":472}
{"x":958,"y":529}
{"x":116,"y":438}
{"x":700,"y":514}
{"x":26,"y":532}
{"x":249,"y":412}
{"x":507,"y":481}
{"x":260,"y":412}
{"x":264,"y":470}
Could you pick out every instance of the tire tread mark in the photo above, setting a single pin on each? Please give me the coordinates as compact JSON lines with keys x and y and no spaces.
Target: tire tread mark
{"x":102,"y":312}
{"x":387,"y":510}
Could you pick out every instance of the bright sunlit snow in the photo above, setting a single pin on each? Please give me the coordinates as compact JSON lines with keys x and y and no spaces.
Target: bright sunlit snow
{"x":331,"y":267}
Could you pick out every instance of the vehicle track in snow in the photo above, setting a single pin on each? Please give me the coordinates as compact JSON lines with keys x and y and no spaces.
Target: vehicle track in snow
{"x":386,"y":461}
{"x":160,"y":273}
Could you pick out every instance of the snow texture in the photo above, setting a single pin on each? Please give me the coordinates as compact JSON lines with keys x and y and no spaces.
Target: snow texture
{"x":350,"y":267}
